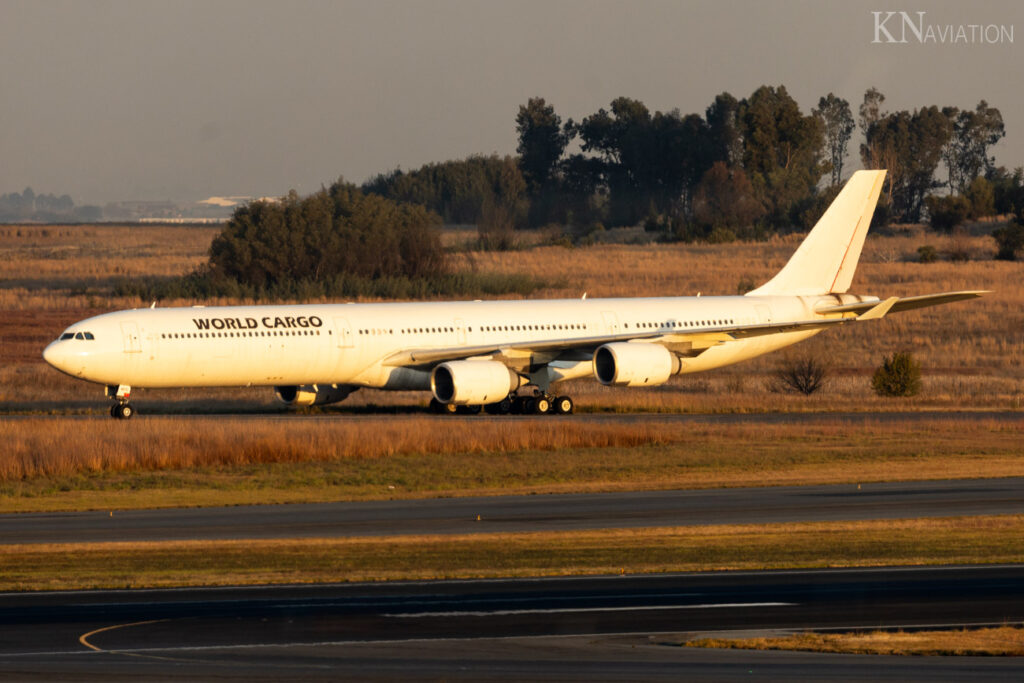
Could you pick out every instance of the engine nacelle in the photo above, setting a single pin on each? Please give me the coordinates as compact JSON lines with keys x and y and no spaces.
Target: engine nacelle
{"x":313,"y":394}
{"x":473,"y":382}
{"x":634,"y":364}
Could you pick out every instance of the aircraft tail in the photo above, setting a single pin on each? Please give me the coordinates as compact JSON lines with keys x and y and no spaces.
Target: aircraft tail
{"x":825,"y":261}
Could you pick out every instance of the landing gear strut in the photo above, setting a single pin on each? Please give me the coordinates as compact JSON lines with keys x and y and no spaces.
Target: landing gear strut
{"x":122,"y":410}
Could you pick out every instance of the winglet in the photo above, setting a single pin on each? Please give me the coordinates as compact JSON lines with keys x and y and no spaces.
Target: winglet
{"x":878,"y":311}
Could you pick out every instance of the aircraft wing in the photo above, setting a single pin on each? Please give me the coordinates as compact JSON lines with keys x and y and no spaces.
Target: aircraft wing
{"x":691,"y":343}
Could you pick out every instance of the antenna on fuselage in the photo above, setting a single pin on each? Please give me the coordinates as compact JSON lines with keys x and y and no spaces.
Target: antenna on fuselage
{"x":584,"y":297}
{"x":153,"y":305}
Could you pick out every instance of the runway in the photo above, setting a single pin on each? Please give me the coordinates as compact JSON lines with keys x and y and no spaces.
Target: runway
{"x":598,"y":628}
{"x":631,"y":509}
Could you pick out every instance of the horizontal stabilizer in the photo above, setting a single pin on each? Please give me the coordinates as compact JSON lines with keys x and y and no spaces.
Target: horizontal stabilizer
{"x":907,"y":303}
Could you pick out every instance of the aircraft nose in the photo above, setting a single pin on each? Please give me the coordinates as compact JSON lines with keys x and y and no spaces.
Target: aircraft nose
{"x":56,"y":354}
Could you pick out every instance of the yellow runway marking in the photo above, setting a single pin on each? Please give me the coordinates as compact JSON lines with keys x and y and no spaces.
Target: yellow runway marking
{"x":84,"y":640}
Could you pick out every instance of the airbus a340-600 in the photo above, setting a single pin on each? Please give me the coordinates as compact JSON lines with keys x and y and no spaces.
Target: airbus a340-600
{"x":499,"y":355}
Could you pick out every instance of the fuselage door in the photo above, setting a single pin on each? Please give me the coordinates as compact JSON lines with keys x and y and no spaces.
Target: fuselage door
{"x":764,"y":314}
{"x":344,"y":332}
{"x":611,"y":322}
{"x":130,"y":335}
{"x":460,"y":331}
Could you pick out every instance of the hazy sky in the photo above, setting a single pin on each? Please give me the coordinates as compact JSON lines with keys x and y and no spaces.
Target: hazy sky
{"x":128,"y":99}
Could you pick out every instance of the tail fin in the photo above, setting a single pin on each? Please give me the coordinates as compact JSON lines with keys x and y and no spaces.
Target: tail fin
{"x":825,"y":261}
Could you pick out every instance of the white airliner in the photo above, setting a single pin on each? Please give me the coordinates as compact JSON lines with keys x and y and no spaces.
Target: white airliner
{"x":502,"y":355}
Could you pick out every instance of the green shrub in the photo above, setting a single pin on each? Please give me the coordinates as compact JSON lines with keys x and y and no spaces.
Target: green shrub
{"x":981,"y":196}
{"x":899,"y":375}
{"x":1010,"y":240}
{"x":946,"y":213}
{"x":927,"y":254}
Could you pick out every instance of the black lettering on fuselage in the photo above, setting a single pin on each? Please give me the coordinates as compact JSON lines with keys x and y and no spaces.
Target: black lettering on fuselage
{"x":252,"y":323}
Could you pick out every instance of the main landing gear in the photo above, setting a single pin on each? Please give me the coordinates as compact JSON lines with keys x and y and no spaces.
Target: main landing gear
{"x":122,"y":410}
{"x":540,"y":403}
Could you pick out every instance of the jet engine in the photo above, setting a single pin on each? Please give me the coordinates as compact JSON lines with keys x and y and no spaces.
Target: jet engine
{"x":313,"y":394}
{"x":473,"y":382}
{"x":634,"y":364}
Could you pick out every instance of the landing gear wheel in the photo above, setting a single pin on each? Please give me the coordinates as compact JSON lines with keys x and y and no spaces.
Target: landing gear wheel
{"x":562,"y":405}
{"x":541,"y":405}
{"x":122,"y":411}
{"x":442,"y":408}
{"x":468,"y":410}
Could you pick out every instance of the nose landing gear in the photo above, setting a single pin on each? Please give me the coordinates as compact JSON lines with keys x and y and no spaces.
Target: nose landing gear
{"x":122,"y":410}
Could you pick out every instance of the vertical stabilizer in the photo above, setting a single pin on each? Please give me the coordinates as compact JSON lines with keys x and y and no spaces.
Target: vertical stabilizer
{"x":825,"y":261}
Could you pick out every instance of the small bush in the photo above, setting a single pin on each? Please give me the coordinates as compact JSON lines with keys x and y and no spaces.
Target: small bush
{"x":1010,"y":240}
{"x":945,"y":213}
{"x":803,"y":374}
{"x":927,"y":254}
{"x":899,"y":375}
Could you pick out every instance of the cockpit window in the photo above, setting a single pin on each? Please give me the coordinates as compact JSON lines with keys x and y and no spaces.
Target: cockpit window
{"x":79,"y":336}
{"x":88,"y":335}
{"x":67,"y":335}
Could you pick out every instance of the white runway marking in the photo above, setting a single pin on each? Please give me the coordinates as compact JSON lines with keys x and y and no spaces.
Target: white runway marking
{"x":574,"y":610}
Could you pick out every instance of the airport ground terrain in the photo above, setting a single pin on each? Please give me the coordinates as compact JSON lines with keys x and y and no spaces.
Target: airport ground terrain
{"x":235,"y":446}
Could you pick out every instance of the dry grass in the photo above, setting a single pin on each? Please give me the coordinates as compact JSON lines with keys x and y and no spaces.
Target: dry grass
{"x":60,"y":464}
{"x":1003,"y":641}
{"x":822,"y":544}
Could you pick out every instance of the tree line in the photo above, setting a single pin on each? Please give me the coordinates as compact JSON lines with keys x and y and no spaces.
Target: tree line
{"x":743,"y":168}
{"x":44,"y":208}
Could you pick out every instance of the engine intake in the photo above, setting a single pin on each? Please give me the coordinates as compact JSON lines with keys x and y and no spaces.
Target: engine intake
{"x":634,"y":364}
{"x":313,"y":394}
{"x":473,"y":382}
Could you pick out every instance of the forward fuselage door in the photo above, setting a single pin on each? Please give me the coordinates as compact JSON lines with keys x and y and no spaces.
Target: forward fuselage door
{"x":460,"y":331}
{"x":130,"y":335}
{"x":344,"y":332}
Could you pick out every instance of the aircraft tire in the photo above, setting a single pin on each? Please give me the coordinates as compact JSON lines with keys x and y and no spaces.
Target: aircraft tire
{"x":562,"y":405}
{"x":123,"y":411}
